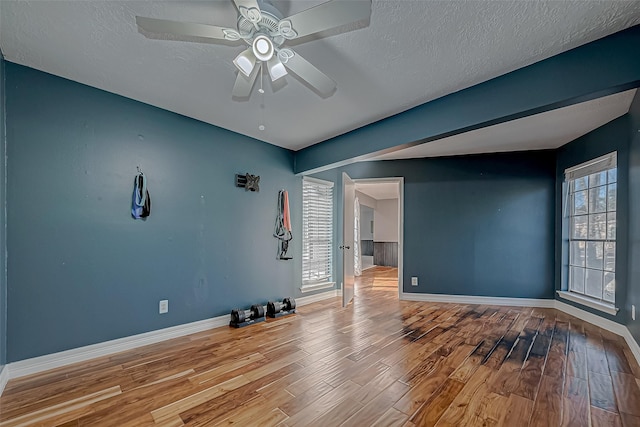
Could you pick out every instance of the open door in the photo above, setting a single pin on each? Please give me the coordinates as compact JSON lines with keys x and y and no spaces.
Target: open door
{"x":349,"y":195}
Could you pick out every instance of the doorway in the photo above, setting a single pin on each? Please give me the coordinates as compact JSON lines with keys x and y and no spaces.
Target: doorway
{"x":378,"y":235}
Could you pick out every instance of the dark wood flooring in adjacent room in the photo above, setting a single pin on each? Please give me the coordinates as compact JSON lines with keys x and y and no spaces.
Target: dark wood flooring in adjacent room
{"x":379,"y":362}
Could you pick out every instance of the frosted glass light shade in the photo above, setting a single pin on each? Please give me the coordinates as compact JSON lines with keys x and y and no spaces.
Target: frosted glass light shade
{"x":245,"y":62}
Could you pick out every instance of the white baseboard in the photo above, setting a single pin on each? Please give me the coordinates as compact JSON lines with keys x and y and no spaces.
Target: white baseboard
{"x":603,"y":323}
{"x":318,"y":297}
{"x":4,"y":378}
{"x":468,"y":299}
{"x":81,"y":354}
{"x":594,"y":319}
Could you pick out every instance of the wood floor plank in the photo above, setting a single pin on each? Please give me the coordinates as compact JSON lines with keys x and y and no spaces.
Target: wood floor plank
{"x":391,"y":418}
{"x":302,"y":400}
{"x":338,"y":414}
{"x":463,"y":409}
{"x":57,"y":412}
{"x":377,"y":385}
{"x":631,"y":361}
{"x":507,"y":379}
{"x":629,"y":420}
{"x":252,"y":412}
{"x":423,"y":390}
{"x":601,"y":392}
{"x":602,"y":418}
{"x":432,"y":362}
{"x":212,"y":374}
{"x":518,"y":411}
{"x":376,"y":408}
{"x":490,"y":409}
{"x":173,"y":409}
{"x":431,"y":411}
{"x":323,"y":404}
{"x":597,"y":360}
{"x":627,"y":393}
{"x":379,"y":362}
{"x":575,"y":403}
{"x":577,"y":364}
{"x":577,"y":337}
{"x":500,"y":353}
{"x":216,"y":408}
{"x":547,"y":409}
{"x":616,"y":358}
{"x":531,"y":372}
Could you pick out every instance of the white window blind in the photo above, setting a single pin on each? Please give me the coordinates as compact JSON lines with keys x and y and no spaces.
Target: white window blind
{"x":317,"y":231}
{"x":608,"y":161}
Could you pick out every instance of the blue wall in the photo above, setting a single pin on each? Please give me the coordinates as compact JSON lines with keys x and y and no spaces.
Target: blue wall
{"x":474,"y":225}
{"x":81,"y":270}
{"x":613,"y":136}
{"x":633,"y":288}
{"x":3,"y":241}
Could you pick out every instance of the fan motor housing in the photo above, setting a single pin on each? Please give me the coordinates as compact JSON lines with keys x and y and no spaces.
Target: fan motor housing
{"x":268,"y":26}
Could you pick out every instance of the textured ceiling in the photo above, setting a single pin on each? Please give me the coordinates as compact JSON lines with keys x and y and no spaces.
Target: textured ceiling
{"x":547,"y":130}
{"x":379,"y":190}
{"x":409,"y":53}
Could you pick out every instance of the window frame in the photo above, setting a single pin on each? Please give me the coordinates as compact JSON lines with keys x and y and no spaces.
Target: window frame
{"x":593,"y":236}
{"x":326,"y":240}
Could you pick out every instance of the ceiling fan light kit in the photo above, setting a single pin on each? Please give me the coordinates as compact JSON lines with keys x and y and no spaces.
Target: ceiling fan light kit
{"x":276,"y":69}
{"x":245,"y":62}
{"x":262,"y":27}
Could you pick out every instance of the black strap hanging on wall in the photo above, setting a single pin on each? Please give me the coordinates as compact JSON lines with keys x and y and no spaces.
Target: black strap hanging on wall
{"x":283,"y":225}
{"x":141,"y":203}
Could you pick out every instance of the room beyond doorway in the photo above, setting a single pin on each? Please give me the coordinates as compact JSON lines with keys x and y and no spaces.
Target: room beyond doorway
{"x":377,"y":278}
{"x":380,"y":233}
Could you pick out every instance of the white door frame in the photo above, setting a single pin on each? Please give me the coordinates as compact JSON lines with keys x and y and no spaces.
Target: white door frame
{"x":400,"y":181}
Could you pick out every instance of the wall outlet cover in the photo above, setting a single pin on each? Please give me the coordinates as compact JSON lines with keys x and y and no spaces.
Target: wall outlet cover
{"x":633,"y":312}
{"x":163,"y":306}
{"x":414,"y":281}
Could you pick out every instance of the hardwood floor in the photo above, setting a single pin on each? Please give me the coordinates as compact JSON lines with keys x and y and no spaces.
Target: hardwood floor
{"x":379,"y":362}
{"x":378,"y":277}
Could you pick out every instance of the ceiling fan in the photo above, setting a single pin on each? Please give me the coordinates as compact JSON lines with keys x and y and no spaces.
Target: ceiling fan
{"x":261,"y":26}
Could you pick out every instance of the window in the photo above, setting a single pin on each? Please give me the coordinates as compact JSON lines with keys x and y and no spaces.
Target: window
{"x":317,"y":234}
{"x":592,"y":193}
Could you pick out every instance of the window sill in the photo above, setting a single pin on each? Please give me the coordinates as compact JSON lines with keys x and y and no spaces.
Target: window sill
{"x":316,"y":286}
{"x":595,"y":304}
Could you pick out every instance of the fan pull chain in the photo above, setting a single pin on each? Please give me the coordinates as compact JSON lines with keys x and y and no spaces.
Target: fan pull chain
{"x":261,"y":90}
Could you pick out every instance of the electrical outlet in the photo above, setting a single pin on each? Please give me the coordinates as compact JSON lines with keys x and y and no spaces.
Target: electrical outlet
{"x":164,"y":306}
{"x":633,"y":312}
{"x":414,"y":281}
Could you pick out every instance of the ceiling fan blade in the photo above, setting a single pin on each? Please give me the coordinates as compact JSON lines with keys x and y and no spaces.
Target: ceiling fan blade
{"x":328,"y":15}
{"x":242,"y":87}
{"x":249,"y":9}
{"x":307,"y":72}
{"x":190,"y":29}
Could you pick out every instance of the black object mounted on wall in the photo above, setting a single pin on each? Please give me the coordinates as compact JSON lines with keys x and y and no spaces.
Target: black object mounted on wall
{"x":141,"y":203}
{"x":282,"y":230}
{"x":248,"y":182}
